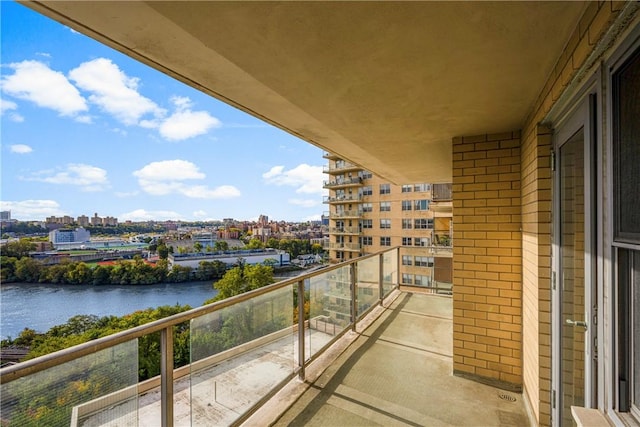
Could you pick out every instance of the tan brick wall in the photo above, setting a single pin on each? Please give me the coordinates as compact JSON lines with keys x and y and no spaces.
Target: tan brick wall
{"x":536,"y":207}
{"x":487,"y":302}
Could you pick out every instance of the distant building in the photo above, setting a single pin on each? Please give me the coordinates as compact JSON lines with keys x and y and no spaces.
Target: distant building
{"x":96,"y":220}
{"x":83,"y":221}
{"x":251,"y":257}
{"x":5,"y":215}
{"x":63,"y":236}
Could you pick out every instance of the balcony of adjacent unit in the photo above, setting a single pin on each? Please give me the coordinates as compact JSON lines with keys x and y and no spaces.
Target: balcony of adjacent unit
{"x":342,"y":198}
{"x":339,"y":167}
{"x":330,"y":156}
{"x":254,"y":361}
{"x":350,"y":214}
{"x":345,"y":246}
{"x":355,"y":181}
{"x":354,"y":231}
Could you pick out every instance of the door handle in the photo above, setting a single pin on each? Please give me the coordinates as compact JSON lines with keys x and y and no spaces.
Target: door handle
{"x":576,"y":323}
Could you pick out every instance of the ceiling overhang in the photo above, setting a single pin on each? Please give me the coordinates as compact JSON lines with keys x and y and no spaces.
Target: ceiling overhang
{"x":386,"y":85}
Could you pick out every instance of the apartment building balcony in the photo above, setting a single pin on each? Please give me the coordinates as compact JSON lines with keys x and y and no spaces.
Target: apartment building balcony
{"x":442,"y":192}
{"x":339,"y":168}
{"x":345,"y":230}
{"x":345,"y":246}
{"x":335,"y":351}
{"x":343,"y":183}
{"x":330,"y":156}
{"x":342,"y":199}
{"x":345,"y":214}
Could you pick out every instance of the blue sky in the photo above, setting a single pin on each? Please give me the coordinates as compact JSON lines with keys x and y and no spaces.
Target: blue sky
{"x":86,"y":129}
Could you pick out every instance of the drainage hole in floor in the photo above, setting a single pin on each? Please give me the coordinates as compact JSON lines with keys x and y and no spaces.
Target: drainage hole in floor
{"x":507,"y":397}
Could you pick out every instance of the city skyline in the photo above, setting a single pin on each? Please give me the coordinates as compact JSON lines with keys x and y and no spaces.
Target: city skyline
{"x":88,"y":129}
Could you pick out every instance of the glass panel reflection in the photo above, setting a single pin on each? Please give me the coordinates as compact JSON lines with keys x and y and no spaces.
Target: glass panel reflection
{"x":97,"y":389}
{"x":239,"y":354}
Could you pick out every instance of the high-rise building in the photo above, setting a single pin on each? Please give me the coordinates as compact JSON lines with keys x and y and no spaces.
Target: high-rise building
{"x":368,"y":214}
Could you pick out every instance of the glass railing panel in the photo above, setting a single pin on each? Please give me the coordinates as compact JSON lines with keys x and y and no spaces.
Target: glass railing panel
{"x":239,"y":354}
{"x":368,"y":283}
{"x":93,"y":390}
{"x":389,"y":271}
{"x":329,"y":308}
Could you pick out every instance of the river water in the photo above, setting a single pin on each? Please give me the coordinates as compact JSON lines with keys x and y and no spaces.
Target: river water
{"x":41,"y":306}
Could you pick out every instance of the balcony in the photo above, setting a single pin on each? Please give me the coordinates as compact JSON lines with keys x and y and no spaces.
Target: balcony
{"x":339,"y":168}
{"x":246,"y":352}
{"x":330,"y":156}
{"x":342,"y":199}
{"x":343,"y":183}
{"x":441,"y":192}
{"x":344,"y":246}
{"x":355,"y":231}
{"x":345,"y":214}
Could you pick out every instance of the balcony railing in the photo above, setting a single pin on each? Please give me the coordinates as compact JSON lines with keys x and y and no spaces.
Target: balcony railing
{"x":241,"y":354}
{"x":345,"y":214}
{"x":339,"y":168}
{"x":441,"y":192}
{"x":342,"y":199}
{"x":344,"y":246}
{"x":346,"y":182}
{"x":345,"y":230}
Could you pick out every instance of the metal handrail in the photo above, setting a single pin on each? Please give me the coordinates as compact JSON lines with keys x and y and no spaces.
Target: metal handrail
{"x":47,"y":361}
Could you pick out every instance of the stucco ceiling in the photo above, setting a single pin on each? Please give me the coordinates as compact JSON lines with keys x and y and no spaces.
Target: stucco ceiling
{"x":386,"y":85}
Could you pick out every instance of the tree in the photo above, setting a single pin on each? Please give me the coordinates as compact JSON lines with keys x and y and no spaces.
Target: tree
{"x":221,"y":245}
{"x":242,"y":279}
{"x":28,"y":270}
{"x":316,"y":248}
{"x":273,"y":243}
{"x":163,"y":251}
{"x":254,"y":244}
{"x":19,"y":248}
{"x":197,"y":246}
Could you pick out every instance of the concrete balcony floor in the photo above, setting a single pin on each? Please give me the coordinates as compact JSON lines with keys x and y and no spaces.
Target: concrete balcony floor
{"x":398,"y":371}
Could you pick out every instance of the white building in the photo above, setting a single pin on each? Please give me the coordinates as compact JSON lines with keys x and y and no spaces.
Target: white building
{"x":64,"y":236}
{"x":255,"y":256}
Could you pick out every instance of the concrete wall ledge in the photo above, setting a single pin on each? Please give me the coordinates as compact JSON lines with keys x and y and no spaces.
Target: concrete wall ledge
{"x":588,"y":417}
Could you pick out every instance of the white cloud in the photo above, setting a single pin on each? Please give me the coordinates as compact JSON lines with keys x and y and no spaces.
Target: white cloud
{"x":34,"y":81}
{"x":316,"y":217}
{"x":144,"y":215}
{"x":84,"y":119}
{"x":20,"y":149}
{"x":184,"y":123}
{"x":113,"y":91}
{"x":166,"y":177}
{"x":307,"y":179}
{"x":36,"y":210}
{"x":15,"y":117}
{"x":169,"y":170}
{"x":187,"y":124}
{"x":6,"y":105}
{"x":87,"y":177}
{"x":305,"y":203}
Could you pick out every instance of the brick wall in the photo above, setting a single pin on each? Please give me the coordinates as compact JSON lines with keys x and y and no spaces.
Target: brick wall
{"x":487,"y":302}
{"x":536,"y":205}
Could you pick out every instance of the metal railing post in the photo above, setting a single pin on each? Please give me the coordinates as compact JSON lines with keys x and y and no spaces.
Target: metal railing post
{"x":354,"y":296}
{"x":301,"y":360}
{"x":381,"y":278}
{"x":166,"y":376}
{"x":399,"y":264}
